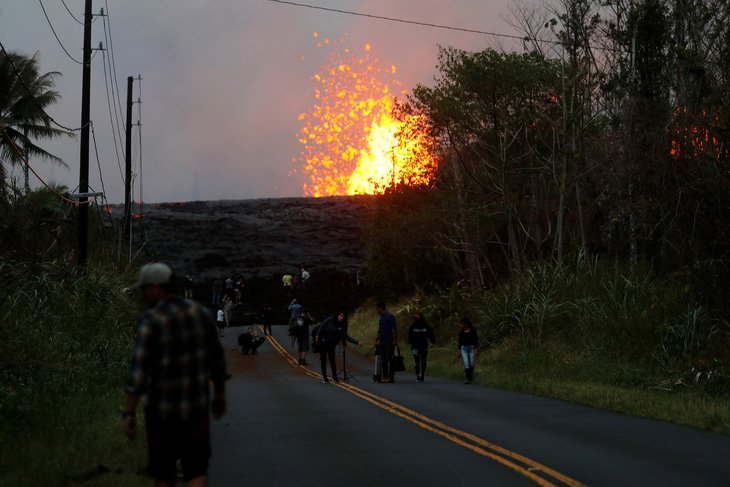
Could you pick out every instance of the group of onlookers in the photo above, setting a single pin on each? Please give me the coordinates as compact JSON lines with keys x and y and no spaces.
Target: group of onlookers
{"x":177,"y":355}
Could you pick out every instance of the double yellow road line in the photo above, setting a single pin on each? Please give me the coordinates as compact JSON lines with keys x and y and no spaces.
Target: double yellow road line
{"x":531,"y":469}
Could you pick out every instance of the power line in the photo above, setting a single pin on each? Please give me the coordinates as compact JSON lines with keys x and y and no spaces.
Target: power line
{"x":428,"y":24}
{"x":70,"y":13}
{"x":56,"y":35}
{"x":403,"y":21}
{"x":112,"y":112}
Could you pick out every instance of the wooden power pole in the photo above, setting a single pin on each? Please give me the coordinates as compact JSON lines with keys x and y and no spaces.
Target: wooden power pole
{"x":128,"y":161}
{"x":85,"y":122}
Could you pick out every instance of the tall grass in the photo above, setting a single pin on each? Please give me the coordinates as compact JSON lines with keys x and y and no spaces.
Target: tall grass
{"x":589,"y":332}
{"x":65,"y":340}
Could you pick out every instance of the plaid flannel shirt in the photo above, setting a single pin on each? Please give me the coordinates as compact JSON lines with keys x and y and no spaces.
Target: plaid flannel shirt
{"x":176,"y":354}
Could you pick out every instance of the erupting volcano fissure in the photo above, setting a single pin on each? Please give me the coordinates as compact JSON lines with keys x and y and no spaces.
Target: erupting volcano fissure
{"x":353,"y":143}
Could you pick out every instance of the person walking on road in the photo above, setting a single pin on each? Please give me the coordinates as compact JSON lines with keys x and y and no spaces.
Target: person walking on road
{"x":386,"y":340}
{"x":301,"y":335}
{"x":220,"y":320}
{"x":419,"y":335}
{"x":295,"y":311}
{"x":327,"y":338}
{"x":227,"y":306}
{"x":176,"y":355}
{"x":468,"y":345}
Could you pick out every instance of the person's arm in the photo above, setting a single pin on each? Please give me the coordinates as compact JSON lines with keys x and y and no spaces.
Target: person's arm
{"x":352,"y":340}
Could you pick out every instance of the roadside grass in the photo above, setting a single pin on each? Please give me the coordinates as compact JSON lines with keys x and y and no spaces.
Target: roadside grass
{"x":65,"y":340}
{"x":602,"y":336}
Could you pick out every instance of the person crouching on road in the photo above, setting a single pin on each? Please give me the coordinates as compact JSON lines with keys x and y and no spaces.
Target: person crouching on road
{"x":419,"y":335}
{"x":250,"y":341}
{"x":176,"y":354}
{"x":468,"y":344}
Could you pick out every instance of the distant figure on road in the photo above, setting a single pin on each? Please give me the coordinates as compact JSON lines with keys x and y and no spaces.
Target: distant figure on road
{"x":295,"y":311}
{"x":217,"y":291}
{"x":287,"y":280}
{"x":266,"y":318}
{"x":175,"y":357}
{"x":305,"y":279}
{"x":227,"y":306}
{"x":301,"y":334}
{"x":188,"y":287}
{"x":359,"y":275}
{"x":220,"y":320}
{"x":250,"y":341}
{"x":419,"y":335}
{"x":386,"y":340}
{"x":468,"y":344}
{"x":229,"y":287}
{"x":238,"y":291}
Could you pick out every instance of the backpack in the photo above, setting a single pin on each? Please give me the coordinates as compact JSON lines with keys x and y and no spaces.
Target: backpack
{"x":241,"y":339}
{"x":295,"y":326}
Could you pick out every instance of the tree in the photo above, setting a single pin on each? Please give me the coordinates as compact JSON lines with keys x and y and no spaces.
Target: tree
{"x":24,"y":96}
{"x":489,"y":111}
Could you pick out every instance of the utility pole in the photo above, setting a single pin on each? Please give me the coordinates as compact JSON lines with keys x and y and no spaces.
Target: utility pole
{"x":128,"y":159}
{"x":85,"y":121}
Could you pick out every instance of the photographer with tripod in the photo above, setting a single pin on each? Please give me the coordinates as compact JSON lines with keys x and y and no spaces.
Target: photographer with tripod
{"x":331,"y":332}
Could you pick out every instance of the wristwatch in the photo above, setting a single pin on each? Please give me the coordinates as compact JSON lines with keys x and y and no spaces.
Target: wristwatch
{"x":127,"y":414}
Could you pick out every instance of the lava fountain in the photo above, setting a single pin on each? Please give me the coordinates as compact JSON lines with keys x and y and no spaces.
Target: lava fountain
{"x":353,"y":141}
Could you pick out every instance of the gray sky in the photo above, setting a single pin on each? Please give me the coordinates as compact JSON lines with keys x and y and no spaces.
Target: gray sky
{"x":223,"y":82}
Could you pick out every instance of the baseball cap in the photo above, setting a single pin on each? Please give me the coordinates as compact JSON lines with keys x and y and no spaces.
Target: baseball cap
{"x":155,"y":273}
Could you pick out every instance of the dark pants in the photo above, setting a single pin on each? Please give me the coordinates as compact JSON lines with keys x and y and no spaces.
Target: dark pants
{"x":169,"y":440}
{"x":251,"y":346}
{"x":327,"y":350}
{"x":386,"y":350}
{"x":267,"y":326}
{"x":420,"y":356}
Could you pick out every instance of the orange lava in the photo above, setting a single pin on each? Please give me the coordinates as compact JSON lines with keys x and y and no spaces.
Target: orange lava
{"x":353,"y":144}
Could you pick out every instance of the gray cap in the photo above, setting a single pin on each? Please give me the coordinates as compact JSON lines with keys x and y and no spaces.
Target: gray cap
{"x":155,"y":273}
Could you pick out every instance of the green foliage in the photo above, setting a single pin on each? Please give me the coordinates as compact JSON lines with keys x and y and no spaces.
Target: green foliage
{"x":65,"y":331}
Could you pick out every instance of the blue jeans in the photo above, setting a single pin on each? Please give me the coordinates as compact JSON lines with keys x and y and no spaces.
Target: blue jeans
{"x":468,"y":355}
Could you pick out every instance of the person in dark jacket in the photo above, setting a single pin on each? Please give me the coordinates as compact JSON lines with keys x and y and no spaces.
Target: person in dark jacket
{"x":419,"y":336}
{"x":331,"y":332}
{"x":468,"y":344}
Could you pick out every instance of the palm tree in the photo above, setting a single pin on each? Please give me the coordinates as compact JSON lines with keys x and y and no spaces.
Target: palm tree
{"x":24,"y":96}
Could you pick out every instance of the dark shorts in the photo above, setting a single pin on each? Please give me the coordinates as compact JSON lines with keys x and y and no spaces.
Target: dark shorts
{"x":169,"y":441}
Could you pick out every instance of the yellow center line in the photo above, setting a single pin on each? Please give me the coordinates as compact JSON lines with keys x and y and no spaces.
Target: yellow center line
{"x":457,"y":436}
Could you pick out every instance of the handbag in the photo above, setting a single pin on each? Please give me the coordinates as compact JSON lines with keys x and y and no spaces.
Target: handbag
{"x":397,"y":362}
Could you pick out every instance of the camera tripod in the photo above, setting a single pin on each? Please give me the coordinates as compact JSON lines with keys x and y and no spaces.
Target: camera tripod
{"x":346,"y":376}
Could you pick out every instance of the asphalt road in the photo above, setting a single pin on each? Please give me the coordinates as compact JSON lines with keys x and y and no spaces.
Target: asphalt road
{"x":285,"y":427}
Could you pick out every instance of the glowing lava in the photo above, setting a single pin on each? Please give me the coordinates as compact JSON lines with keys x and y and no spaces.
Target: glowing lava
{"x":352,"y":142}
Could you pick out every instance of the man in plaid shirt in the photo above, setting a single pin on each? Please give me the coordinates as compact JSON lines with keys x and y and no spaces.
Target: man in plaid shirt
{"x":176,"y":355}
